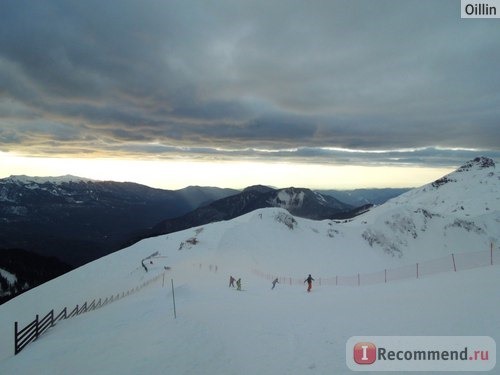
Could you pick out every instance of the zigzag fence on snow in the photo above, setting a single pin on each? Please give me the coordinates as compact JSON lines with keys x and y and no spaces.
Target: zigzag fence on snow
{"x":449,"y":263}
{"x":34,"y":329}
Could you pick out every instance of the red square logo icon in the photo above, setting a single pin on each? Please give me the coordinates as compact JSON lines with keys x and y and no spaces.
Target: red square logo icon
{"x":365,"y":353}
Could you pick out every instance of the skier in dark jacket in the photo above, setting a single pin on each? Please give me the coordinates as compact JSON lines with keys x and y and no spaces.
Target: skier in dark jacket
{"x":231,"y":281}
{"x":274,"y":282}
{"x":309,"y":282}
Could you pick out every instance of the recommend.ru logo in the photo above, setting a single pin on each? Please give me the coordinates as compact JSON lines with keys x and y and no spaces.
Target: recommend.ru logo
{"x":421,"y":353}
{"x":365,"y":353}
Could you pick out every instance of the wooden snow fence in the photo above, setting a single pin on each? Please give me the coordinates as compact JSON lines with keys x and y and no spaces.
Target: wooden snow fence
{"x":36,"y":328}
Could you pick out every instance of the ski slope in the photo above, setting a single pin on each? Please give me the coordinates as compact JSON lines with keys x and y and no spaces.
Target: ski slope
{"x":219,"y":330}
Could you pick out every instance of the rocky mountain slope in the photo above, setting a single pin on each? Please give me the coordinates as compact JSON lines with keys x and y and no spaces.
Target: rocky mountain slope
{"x":464,"y":205}
{"x":298,"y":201}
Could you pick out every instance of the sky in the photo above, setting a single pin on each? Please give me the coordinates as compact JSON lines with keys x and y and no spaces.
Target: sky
{"x":323,"y":94}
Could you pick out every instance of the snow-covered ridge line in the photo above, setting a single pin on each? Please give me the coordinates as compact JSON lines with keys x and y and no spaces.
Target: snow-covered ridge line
{"x":49,"y":179}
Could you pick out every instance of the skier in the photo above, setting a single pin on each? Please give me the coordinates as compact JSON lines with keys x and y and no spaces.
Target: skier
{"x":309,"y":282}
{"x":274,"y":283}
{"x":231,"y":281}
{"x":238,"y":284}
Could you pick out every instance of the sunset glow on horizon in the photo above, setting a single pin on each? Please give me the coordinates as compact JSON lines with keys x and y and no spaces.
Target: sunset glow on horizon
{"x":177,"y":174}
{"x":333,"y":94}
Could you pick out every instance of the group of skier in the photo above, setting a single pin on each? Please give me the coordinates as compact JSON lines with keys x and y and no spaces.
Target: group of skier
{"x":309,"y":281}
{"x":232,"y":280}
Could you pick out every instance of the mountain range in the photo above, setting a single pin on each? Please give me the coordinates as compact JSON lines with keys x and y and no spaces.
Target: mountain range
{"x":360,"y":197}
{"x":298,"y":201}
{"x":425,"y":242}
{"x":60,"y":223}
{"x":73,"y":220}
{"x":78,"y":220}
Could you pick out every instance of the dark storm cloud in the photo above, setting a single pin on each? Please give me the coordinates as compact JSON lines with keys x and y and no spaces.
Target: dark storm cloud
{"x":201,"y":77}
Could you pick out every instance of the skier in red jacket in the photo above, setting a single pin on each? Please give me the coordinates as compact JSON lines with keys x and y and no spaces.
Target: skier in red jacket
{"x":309,"y":282}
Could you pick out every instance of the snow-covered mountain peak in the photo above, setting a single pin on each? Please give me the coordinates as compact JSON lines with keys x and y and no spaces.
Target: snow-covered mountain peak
{"x":475,"y":182}
{"x":26,"y":180}
{"x":480,"y":162}
{"x":464,"y":204}
{"x":479,"y":168}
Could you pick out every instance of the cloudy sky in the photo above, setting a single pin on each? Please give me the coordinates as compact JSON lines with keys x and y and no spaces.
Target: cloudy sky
{"x":228,"y":92}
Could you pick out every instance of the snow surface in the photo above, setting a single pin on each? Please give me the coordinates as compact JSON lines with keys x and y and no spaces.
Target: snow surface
{"x":222,"y":331}
{"x":219,"y":330}
{"x":460,"y":215}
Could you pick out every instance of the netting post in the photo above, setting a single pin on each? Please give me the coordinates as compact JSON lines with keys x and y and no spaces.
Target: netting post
{"x":417,"y":270}
{"x":491,"y":253}
{"x":454,"y":264}
{"x":385,"y":275}
{"x":359,"y":280}
{"x":173,"y":298}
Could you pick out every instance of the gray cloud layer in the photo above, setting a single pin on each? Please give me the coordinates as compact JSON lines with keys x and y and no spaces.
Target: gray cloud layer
{"x":225,"y":78}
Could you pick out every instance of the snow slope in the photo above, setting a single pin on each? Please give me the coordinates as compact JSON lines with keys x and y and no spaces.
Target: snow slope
{"x":457,"y":213}
{"x":261,"y":331}
{"x":219,"y":330}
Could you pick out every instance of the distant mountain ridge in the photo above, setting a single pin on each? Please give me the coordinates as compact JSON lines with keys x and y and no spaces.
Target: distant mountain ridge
{"x":53,"y":224}
{"x":78,"y":220}
{"x":58,"y":180}
{"x":298,"y":201}
{"x":359,"y":197}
